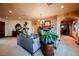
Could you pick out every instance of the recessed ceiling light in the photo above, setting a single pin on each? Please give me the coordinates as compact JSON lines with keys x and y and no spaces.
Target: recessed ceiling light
{"x":6,"y":17}
{"x":10,"y":11}
{"x":19,"y":17}
{"x":38,"y":20}
{"x":62,"y":6}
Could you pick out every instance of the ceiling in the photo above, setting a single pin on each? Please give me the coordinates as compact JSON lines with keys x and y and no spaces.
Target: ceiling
{"x":34,"y":10}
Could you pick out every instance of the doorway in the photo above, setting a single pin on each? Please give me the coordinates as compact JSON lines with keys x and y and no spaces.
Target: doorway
{"x":2,"y":29}
{"x":64,"y":29}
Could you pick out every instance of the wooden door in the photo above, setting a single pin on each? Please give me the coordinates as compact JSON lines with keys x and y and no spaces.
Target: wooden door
{"x":2,"y":29}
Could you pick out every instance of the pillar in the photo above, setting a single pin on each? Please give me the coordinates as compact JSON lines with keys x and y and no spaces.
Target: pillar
{"x":78,"y":27}
{"x":59,"y":19}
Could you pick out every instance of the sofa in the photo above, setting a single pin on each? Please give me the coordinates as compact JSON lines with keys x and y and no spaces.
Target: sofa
{"x":31,"y":43}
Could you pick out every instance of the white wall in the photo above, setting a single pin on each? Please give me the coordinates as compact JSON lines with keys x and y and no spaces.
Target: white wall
{"x":3,"y":20}
{"x":10,"y":25}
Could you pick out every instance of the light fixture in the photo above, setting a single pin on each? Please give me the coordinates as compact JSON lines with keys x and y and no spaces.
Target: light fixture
{"x":19,"y":17}
{"x":6,"y":17}
{"x":62,"y":26}
{"x":10,"y":11}
{"x":62,"y":6}
{"x":38,"y":20}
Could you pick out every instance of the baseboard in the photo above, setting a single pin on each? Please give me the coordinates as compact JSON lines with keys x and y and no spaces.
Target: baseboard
{"x":8,"y":36}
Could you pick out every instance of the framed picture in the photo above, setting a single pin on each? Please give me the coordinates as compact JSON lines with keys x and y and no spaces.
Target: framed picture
{"x":46,"y":25}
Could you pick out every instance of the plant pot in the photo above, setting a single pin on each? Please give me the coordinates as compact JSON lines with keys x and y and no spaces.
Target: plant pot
{"x":47,"y":49}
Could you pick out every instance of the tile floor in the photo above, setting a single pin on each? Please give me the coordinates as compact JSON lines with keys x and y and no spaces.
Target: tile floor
{"x":70,"y":41}
{"x":65,"y":47}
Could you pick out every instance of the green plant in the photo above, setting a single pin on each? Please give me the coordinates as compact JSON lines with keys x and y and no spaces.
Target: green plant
{"x":39,"y":31}
{"x":49,"y":37}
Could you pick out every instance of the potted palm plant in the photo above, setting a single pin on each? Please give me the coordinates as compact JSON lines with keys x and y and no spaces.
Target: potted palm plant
{"x":48,"y":40}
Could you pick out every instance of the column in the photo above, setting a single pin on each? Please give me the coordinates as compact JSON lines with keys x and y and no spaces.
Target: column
{"x":59,"y":19}
{"x":77,"y":37}
{"x":78,"y":27}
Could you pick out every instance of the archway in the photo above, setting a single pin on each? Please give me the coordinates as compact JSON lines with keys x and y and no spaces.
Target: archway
{"x":67,"y":26}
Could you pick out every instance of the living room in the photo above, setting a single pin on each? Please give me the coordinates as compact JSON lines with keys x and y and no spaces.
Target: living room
{"x":14,"y":16}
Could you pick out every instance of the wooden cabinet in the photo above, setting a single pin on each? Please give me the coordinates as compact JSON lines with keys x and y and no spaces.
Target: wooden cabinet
{"x":15,"y":33}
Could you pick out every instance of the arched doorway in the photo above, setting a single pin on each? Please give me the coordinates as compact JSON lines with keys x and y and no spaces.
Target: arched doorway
{"x":67,"y":26}
{"x":64,"y":28}
{"x":70,"y":26}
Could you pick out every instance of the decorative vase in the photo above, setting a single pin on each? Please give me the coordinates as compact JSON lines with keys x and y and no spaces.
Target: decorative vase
{"x":47,"y":49}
